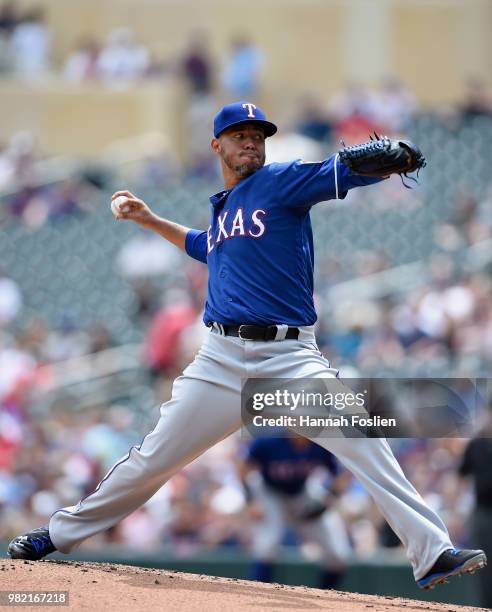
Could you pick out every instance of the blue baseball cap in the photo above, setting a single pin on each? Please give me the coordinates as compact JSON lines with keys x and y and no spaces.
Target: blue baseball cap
{"x":242,"y":112}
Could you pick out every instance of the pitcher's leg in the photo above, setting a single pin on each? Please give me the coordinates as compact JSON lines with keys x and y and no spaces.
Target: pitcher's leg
{"x":198,"y":415}
{"x":372,"y":462}
{"x":420,"y":529}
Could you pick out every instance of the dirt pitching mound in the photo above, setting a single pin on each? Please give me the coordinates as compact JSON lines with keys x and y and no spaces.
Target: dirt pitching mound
{"x":103,"y":586}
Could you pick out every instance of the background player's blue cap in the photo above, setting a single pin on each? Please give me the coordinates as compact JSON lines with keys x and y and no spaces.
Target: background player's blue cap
{"x":242,"y":112}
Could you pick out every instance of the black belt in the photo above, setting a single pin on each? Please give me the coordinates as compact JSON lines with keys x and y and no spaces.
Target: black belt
{"x":256,"y":332}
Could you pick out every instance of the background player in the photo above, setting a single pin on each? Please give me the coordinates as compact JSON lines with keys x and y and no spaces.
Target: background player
{"x":275,"y":473}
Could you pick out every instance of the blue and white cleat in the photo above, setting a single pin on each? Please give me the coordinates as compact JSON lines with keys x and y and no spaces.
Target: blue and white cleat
{"x":33,"y":545}
{"x":453,"y":562}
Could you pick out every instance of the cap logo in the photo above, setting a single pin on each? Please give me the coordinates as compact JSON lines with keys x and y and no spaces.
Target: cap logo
{"x":250,"y":108}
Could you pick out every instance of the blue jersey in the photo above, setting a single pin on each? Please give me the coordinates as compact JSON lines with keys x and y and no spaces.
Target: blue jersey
{"x":259,"y":246}
{"x":286,"y":467}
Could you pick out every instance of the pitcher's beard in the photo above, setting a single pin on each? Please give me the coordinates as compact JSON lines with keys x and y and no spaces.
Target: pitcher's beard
{"x":246,"y":169}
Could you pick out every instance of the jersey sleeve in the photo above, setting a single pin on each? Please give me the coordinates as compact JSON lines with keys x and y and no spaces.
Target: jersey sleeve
{"x":302,"y":184}
{"x":196,"y":245}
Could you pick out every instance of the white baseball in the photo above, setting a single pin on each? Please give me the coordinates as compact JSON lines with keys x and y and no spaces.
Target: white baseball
{"x":118,"y":205}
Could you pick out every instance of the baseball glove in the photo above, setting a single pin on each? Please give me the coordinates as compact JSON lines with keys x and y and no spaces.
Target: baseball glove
{"x":382,"y":156}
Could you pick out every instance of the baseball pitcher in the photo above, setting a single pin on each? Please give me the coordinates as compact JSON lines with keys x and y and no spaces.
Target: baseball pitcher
{"x":260,"y":311}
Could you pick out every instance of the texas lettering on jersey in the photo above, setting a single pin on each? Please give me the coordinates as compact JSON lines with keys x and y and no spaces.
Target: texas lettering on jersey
{"x":265,"y":274}
{"x":234,"y":224}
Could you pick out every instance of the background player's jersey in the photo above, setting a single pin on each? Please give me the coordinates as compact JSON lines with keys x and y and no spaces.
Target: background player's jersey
{"x":286,"y":467}
{"x":259,"y":246}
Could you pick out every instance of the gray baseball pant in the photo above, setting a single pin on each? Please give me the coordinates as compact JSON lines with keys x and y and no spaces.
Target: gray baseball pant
{"x":205,"y":408}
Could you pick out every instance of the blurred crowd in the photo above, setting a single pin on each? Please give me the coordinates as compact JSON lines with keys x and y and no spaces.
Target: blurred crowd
{"x":25,"y":41}
{"x":27,"y":45}
{"x":27,"y":51}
